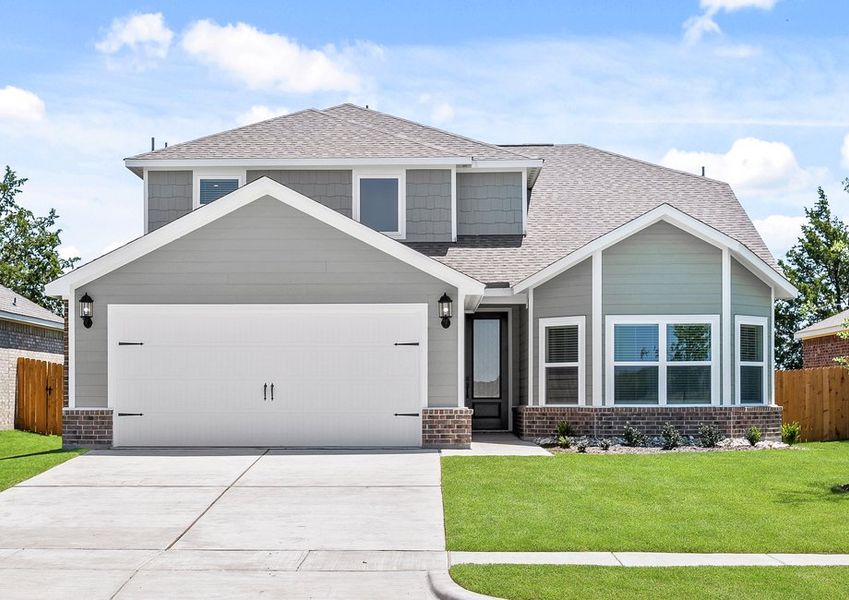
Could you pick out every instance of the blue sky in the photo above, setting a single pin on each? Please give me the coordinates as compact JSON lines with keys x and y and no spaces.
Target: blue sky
{"x":755,"y":90}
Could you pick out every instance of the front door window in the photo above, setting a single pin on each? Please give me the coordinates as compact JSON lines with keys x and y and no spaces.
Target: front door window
{"x":487,"y":358}
{"x":486,"y":371}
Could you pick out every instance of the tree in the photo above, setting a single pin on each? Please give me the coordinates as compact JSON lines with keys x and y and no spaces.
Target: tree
{"x":29,"y":258}
{"x":818,"y":265}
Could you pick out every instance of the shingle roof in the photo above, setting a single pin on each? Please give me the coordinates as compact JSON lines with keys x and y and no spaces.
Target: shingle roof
{"x":583,"y":193}
{"x":451,"y":142}
{"x":13,"y":305}
{"x":302,"y":135}
{"x":827,"y":326}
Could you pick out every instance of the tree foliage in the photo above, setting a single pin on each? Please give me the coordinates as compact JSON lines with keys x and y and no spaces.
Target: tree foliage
{"x":29,"y":256}
{"x":818,"y":265}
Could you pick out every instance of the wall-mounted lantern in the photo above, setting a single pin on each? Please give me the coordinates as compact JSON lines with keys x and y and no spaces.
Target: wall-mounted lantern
{"x":446,"y":310}
{"x":86,"y":310}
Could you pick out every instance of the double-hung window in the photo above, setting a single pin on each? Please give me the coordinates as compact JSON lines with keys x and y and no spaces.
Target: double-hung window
{"x":561,"y":360}
{"x":751,"y":360}
{"x":663,"y":360}
{"x":380,"y":201}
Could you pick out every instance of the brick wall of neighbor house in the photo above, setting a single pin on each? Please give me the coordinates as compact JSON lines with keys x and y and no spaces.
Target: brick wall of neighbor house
{"x":821,"y":351}
{"x":19,"y":340}
{"x":446,"y":427}
{"x":65,"y":344}
{"x":87,"y":427}
{"x":533,"y":422}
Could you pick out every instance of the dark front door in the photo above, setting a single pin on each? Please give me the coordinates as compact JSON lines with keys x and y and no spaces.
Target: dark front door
{"x":486,"y":370}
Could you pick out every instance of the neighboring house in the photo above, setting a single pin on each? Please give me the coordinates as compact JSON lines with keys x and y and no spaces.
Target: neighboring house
{"x":26,"y":330}
{"x":347,"y":277}
{"x":821,"y":344}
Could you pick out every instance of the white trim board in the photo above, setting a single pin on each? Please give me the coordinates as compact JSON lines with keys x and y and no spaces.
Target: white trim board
{"x":251,"y":192}
{"x":684,"y":222}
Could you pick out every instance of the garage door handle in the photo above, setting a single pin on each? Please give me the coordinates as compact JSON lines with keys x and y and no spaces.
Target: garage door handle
{"x":131,"y":343}
{"x":265,"y":391}
{"x":272,"y":392}
{"x":130,"y":414}
{"x":406,"y":343}
{"x":407,"y":414}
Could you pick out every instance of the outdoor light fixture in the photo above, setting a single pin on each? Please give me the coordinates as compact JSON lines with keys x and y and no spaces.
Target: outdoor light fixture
{"x":446,"y":310}
{"x":86,"y":310}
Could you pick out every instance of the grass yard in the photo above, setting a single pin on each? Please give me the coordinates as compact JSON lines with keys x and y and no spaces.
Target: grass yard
{"x":550,"y":582}
{"x":764,"y":501}
{"x":24,"y":455}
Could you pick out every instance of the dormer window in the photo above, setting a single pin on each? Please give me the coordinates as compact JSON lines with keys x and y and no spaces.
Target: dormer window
{"x":379,"y":201}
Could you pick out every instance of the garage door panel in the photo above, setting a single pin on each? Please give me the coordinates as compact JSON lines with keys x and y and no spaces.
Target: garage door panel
{"x":339,"y":377}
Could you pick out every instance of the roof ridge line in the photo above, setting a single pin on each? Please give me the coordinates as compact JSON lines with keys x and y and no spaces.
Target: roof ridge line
{"x":211,"y":135}
{"x":443,"y":131}
{"x":395,"y":135}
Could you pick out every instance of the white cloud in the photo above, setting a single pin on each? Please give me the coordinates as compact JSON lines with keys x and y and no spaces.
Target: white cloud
{"x":844,"y":152}
{"x":20,"y":105}
{"x":269,"y":60}
{"x":442,"y":113}
{"x":737,"y":51}
{"x":780,"y":232}
{"x":750,"y":165}
{"x":697,"y":26}
{"x":260,"y":112}
{"x":138,"y":41}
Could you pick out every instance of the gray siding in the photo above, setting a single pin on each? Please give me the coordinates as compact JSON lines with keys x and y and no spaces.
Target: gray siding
{"x":522,"y":317}
{"x":489,"y":203}
{"x":428,"y":205}
{"x":749,"y":297}
{"x":330,"y":188}
{"x":265,"y":252}
{"x":567,"y":295}
{"x":169,"y":197}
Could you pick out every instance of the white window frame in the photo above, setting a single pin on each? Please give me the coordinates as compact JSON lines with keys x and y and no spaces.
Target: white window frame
{"x":739,"y":363}
{"x":199,"y":175}
{"x":545,"y":323}
{"x":662,"y":363}
{"x":401,"y":176}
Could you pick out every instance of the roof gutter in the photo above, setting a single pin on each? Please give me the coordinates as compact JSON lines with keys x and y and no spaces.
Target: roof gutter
{"x":27,"y":320}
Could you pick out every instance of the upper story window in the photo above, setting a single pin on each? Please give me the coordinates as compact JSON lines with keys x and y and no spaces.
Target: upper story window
{"x":212,"y":189}
{"x":751,"y":360}
{"x":380,"y":201}
{"x":663,"y":360}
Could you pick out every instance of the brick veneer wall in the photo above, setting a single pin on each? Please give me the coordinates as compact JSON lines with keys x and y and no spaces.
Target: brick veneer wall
{"x":535,"y":422}
{"x":65,"y":350}
{"x":20,"y":340}
{"x":87,"y":428}
{"x":446,"y":427}
{"x":821,"y":351}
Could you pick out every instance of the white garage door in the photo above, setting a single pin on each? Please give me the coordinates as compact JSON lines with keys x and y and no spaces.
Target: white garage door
{"x":267,"y":375}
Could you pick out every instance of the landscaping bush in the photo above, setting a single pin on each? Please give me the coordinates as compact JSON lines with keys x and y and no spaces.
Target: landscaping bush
{"x":710,"y":436}
{"x":565,"y":429}
{"x":563,"y":441}
{"x":753,"y":435}
{"x":634,"y":437}
{"x":671,"y":437}
{"x":582,"y":446}
{"x":604,"y":444}
{"x":791,"y":432}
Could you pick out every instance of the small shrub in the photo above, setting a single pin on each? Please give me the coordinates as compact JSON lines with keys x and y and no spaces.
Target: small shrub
{"x":671,"y":437}
{"x":563,"y":441}
{"x":710,"y":436}
{"x":791,"y":433}
{"x":604,"y":444}
{"x":582,"y":447}
{"x":565,"y":429}
{"x":753,"y":435}
{"x":634,"y":437}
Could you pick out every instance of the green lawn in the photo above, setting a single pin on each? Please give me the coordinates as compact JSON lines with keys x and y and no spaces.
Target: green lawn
{"x":549,"y":582}
{"x":23,"y":455}
{"x":765,"y":501}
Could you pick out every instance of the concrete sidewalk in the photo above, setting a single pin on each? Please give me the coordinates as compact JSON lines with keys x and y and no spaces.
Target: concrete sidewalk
{"x":649,"y":559}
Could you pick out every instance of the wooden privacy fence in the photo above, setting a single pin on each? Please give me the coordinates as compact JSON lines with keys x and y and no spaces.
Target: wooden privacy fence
{"x":818,"y":399}
{"x":39,"y":393}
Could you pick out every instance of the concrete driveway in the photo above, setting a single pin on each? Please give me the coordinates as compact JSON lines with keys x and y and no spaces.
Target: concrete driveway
{"x":225,"y":524}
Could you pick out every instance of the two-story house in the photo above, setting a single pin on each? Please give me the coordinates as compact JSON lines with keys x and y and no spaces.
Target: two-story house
{"x":344,"y":277}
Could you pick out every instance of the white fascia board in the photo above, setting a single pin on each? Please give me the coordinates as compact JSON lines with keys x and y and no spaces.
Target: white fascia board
{"x":684,"y":222}
{"x":302,"y":163}
{"x":807,"y":334}
{"x":34,"y":321}
{"x":239,"y":198}
{"x":527,"y":163}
